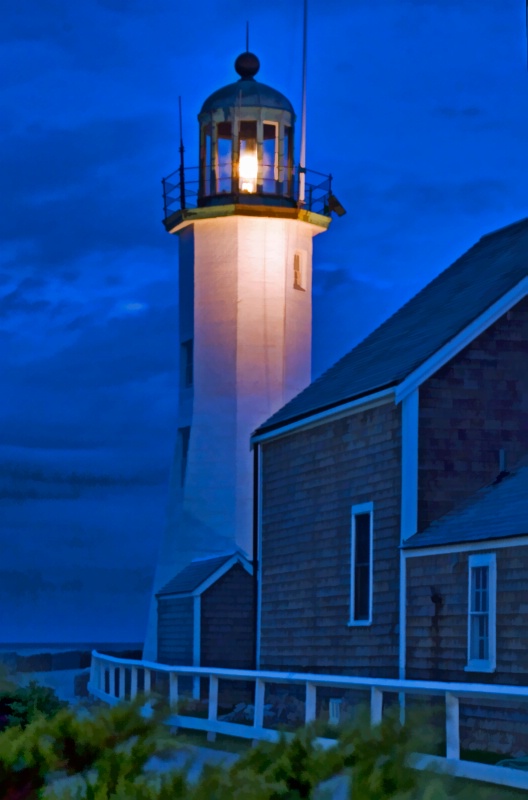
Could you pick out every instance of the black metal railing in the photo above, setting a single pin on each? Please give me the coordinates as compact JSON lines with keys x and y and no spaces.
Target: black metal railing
{"x":188,"y":188}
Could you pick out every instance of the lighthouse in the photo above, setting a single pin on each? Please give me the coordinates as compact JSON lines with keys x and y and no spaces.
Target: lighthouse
{"x":245,"y":220}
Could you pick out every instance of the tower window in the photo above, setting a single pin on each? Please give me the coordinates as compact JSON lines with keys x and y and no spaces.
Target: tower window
{"x":186,"y":363}
{"x":184,"y":435}
{"x":299,"y":271}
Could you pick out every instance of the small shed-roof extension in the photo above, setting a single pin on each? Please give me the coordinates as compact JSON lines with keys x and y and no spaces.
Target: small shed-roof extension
{"x":198,"y":575}
{"x":426,"y":323}
{"x":496,"y":512}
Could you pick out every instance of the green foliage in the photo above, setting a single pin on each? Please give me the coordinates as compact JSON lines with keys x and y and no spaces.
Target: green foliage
{"x":104,"y":757}
{"x":291,"y":769}
{"x":116,"y":743}
{"x":26,"y":703}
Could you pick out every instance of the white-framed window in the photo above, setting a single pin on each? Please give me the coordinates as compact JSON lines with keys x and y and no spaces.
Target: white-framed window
{"x":482,"y":599}
{"x":361,"y":563}
{"x":299,"y":270}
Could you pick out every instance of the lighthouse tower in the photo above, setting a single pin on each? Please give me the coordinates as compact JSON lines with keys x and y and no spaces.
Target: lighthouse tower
{"x":245,"y":298}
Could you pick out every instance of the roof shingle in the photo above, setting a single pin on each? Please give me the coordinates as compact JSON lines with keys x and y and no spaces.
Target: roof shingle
{"x":194,"y":574}
{"x":495,"y":512}
{"x":447,"y":305}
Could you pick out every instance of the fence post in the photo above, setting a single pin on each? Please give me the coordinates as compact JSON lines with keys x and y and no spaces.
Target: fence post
{"x":310,"y":702}
{"x":213,"y":705}
{"x":452,"y":726}
{"x":133,"y":682}
{"x":173,"y":689}
{"x":93,"y":672}
{"x":146,"y":681}
{"x":376,"y":705}
{"x":102,"y":676}
{"x":260,"y":691}
{"x":121,"y":683}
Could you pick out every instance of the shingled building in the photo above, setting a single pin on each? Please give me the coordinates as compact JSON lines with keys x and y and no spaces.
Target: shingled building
{"x":393,"y":492}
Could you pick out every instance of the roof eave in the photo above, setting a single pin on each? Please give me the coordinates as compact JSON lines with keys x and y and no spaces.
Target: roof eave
{"x":332,"y":410}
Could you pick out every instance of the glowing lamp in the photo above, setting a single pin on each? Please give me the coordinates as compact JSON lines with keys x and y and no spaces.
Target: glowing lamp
{"x":248,"y":172}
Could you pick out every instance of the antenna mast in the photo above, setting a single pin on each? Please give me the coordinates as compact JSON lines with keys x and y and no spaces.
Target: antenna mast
{"x":247,"y":37}
{"x":302,"y":158}
{"x":182,"y":166}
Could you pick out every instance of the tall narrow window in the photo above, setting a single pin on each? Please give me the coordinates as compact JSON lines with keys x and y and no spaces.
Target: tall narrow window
{"x":184,"y":434}
{"x":186,"y":363}
{"x":481,"y":612}
{"x":299,"y":271}
{"x":361,"y":565}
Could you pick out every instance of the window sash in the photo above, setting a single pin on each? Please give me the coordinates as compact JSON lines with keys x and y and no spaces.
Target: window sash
{"x":482,"y":612}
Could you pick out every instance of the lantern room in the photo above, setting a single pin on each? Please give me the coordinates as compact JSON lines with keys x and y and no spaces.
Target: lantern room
{"x":246,"y":142}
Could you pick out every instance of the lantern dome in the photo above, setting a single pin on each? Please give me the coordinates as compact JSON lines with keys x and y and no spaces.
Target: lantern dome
{"x":246,"y":92}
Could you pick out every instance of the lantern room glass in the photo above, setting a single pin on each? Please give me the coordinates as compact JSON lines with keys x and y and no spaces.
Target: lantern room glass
{"x":224,"y":158}
{"x":245,"y":157}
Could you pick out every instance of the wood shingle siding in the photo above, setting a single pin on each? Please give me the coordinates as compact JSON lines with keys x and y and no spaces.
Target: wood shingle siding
{"x":311,"y":479}
{"x":437,"y":643}
{"x":175,"y":630}
{"x":437,"y":648}
{"x":471,"y":409}
{"x":227,"y":622}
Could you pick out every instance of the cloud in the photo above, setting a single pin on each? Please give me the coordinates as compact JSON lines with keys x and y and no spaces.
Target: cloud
{"x":67,"y":185}
{"x":452,"y":112}
{"x":17,"y":302}
{"x":24,"y":481}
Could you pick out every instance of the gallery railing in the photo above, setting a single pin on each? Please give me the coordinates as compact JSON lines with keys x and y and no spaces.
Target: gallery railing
{"x":191,"y":188}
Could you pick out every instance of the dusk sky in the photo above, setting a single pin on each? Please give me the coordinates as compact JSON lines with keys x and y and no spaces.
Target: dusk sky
{"x":419,"y":110}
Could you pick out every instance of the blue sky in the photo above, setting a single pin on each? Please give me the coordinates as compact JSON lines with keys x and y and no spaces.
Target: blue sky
{"x":418,"y":108}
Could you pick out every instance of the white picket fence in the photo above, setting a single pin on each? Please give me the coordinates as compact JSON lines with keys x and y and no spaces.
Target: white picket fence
{"x":105,"y":669}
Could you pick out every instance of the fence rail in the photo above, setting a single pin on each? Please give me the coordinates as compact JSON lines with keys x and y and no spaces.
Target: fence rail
{"x":108,"y":682}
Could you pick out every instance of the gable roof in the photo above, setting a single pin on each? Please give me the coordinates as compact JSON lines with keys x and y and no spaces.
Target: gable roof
{"x":198,"y":572}
{"x":495,"y":512}
{"x":427,"y":322}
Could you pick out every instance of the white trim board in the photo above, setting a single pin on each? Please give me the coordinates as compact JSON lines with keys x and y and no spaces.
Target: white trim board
{"x":462,"y":339}
{"x":402,"y":636}
{"x":409,"y":465}
{"x":343,"y":410}
{"x":258,"y":500}
{"x":466,"y":547}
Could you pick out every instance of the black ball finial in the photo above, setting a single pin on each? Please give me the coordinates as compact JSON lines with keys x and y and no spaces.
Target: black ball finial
{"x":247,"y":65}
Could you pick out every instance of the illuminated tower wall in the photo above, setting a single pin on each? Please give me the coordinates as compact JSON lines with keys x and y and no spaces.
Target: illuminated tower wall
{"x":245,"y":281}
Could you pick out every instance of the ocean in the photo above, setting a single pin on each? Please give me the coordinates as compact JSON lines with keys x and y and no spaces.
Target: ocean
{"x":35,"y":648}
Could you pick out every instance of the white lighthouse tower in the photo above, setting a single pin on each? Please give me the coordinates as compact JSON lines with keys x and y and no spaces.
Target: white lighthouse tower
{"x":245,"y":295}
